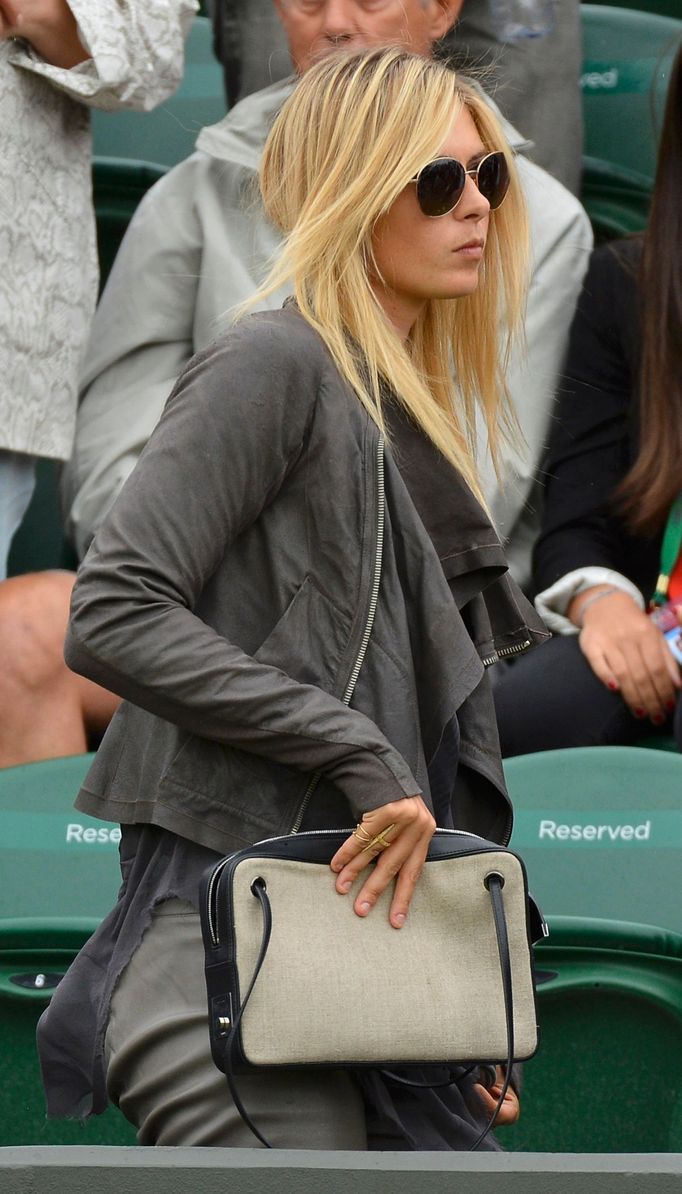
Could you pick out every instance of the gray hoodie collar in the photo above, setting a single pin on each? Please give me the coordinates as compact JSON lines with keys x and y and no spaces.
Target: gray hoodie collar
{"x":240,"y":136}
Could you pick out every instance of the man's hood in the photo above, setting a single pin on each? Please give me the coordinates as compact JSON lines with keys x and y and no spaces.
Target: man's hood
{"x":240,"y":136}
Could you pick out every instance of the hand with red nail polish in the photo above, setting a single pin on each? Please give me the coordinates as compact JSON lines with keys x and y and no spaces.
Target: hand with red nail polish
{"x":627,"y":652}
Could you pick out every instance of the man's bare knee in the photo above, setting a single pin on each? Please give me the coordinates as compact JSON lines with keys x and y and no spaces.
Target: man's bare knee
{"x":34,"y":612}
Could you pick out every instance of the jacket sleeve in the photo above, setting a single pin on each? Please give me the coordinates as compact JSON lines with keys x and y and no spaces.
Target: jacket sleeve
{"x":235,"y":425}
{"x":561,"y":241}
{"x":589,"y":447}
{"x":142,"y":336}
{"x":136,"y":48}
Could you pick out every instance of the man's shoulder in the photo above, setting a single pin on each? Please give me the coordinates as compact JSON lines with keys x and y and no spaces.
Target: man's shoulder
{"x":560,"y":228}
{"x":549,"y":201}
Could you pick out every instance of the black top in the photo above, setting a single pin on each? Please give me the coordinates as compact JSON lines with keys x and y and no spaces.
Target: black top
{"x":595,"y":433}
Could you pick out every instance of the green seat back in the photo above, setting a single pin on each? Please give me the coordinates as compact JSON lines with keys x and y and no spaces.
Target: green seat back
{"x":607,"y":1075}
{"x":663,"y":8}
{"x":34,"y":953}
{"x":627,"y":56}
{"x":39,"y":542}
{"x":118,"y":184}
{"x":168,"y":133}
{"x":600,"y":831}
{"x":616,"y":200}
{"x":55,"y":862}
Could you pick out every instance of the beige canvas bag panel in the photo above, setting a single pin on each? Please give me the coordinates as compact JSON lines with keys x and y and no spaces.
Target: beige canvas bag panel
{"x":448,"y":950}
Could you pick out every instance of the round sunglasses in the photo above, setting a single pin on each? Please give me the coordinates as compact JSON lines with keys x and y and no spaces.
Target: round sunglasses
{"x":440,"y":183}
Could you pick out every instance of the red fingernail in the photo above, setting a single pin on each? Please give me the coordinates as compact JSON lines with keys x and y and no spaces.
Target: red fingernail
{"x":640,"y":712}
{"x":658,"y":719}
{"x":612,"y":685}
{"x":670,"y":706}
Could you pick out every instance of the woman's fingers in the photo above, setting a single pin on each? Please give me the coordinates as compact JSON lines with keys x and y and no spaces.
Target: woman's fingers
{"x":629,"y":654}
{"x":9,"y":13}
{"x":509,"y":1111}
{"x":388,"y":819}
{"x":403,"y":862}
{"x":399,"y":845}
{"x":645,"y":680}
{"x":406,"y":882}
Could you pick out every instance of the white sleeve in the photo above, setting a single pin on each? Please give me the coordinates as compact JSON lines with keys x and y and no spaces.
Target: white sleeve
{"x":136,"y":48}
{"x":553,"y":602}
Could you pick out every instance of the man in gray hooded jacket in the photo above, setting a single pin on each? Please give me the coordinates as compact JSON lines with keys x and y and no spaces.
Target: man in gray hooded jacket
{"x":198,"y":245}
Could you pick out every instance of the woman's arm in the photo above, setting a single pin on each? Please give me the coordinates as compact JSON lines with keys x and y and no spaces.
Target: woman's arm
{"x":626,"y":651}
{"x":49,"y":26}
{"x":100,"y":52}
{"x":581,"y":556}
{"x":233,"y":429}
{"x":589,"y":446}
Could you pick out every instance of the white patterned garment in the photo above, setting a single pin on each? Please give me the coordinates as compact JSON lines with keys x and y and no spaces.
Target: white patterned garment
{"x":48,"y":279}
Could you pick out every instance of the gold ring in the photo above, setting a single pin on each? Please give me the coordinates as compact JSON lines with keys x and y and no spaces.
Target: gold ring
{"x":380,"y":839}
{"x":360,"y":829}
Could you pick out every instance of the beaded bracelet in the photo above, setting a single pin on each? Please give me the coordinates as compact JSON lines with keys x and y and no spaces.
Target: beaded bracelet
{"x":590,"y":600}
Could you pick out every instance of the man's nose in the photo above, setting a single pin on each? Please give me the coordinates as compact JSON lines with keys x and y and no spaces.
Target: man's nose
{"x":339,"y":20}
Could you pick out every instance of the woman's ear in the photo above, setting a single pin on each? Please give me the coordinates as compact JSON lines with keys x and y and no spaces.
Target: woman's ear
{"x":443,"y":16}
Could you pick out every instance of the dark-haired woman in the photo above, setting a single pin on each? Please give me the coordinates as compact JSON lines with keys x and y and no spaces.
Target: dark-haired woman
{"x":608,"y":563}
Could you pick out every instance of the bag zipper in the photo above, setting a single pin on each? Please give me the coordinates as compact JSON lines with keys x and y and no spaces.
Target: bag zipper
{"x":220,"y":866}
{"x":369,"y":621}
{"x":504,"y":652}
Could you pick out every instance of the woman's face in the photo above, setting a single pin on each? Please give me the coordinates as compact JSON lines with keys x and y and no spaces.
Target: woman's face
{"x":422,"y":257}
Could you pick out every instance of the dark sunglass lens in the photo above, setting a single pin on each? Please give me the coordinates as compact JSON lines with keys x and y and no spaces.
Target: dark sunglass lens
{"x":439,"y":186}
{"x":493,"y":179}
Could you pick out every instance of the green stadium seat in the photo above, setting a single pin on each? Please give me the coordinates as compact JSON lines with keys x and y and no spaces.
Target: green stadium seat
{"x":118,"y":184}
{"x":39,"y":542}
{"x":600,"y":831}
{"x":607,"y":1075}
{"x":60,"y":876}
{"x":663,"y":8}
{"x":55,"y":862}
{"x":616,"y":200}
{"x":627,"y":56}
{"x":168,"y":133}
{"x":34,"y":954}
{"x":658,"y":742}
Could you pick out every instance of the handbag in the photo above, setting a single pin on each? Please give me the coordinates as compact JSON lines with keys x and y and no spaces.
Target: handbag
{"x":295,"y":978}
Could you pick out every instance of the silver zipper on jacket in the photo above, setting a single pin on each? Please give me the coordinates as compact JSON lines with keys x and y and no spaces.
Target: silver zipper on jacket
{"x":369,"y":621}
{"x":504,"y":652}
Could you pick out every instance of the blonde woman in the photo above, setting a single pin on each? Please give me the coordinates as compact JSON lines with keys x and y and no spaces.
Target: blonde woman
{"x":228,"y":596}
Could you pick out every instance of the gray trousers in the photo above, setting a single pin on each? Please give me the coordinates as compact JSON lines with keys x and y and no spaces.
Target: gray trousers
{"x":161,"y":1074}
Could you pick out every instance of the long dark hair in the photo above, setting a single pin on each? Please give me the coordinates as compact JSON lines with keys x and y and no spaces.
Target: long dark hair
{"x":655,"y":479}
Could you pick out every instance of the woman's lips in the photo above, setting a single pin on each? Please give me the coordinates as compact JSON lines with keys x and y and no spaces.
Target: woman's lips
{"x":472,"y":249}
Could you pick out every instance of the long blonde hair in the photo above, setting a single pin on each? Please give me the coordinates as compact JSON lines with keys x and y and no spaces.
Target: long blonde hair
{"x":356,"y":128}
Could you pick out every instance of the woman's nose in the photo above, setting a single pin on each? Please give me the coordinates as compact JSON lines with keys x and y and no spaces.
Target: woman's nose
{"x":473,"y":205}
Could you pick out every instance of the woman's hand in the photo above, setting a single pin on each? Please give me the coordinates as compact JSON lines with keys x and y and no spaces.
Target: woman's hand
{"x":511,"y":1107}
{"x":627,"y":652}
{"x":408,"y":826}
{"x":49,"y":26}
